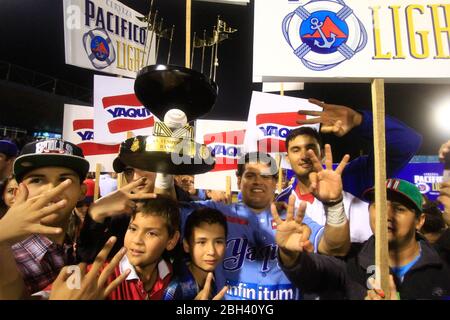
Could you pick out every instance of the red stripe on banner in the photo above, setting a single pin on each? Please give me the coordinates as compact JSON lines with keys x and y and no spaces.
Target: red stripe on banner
{"x":229,"y":137}
{"x":222,"y":166}
{"x":286,"y":118}
{"x":236,"y":220}
{"x":122,"y":100}
{"x":271,"y":145}
{"x":83,"y":124}
{"x":93,"y":149}
{"x":124,"y":125}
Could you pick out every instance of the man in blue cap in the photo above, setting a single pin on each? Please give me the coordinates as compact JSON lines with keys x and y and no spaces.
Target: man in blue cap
{"x":8,"y":152}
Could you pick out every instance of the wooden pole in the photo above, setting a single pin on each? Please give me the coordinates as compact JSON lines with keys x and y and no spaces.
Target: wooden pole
{"x":280,"y":174}
{"x":280,"y":170}
{"x":120,"y":178}
{"x":98,"y":168}
{"x":121,"y":182}
{"x":381,"y":229}
{"x":228,"y":188}
{"x":188,"y":33}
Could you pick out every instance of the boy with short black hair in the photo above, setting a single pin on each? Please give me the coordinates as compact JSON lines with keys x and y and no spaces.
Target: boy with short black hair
{"x":153,"y":232}
{"x":205,"y":236}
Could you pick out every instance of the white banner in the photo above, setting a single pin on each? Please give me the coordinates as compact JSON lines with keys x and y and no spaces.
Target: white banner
{"x":271,"y":117}
{"x":352,"y":40}
{"x":240,"y":2}
{"x":78,"y":128}
{"x":105,"y":35}
{"x":225,"y":138}
{"x":286,"y":86}
{"x":117,"y":110}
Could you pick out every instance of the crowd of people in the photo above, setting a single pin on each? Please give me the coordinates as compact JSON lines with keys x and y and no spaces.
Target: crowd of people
{"x":157,"y":238}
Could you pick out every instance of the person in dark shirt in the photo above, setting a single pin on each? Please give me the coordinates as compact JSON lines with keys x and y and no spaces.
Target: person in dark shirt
{"x":110,"y":215}
{"x":417,"y":269}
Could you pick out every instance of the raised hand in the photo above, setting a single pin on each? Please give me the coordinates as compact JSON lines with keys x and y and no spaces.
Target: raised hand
{"x":326,"y":184}
{"x":335,"y":119}
{"x":444,"y":150}
{"x":219,"y":196}
{"x":119,"y":202}
{"x":205,"y":293}
{"x":444,"y":199}
{"x":24,"y":217}
{"x":92,"y":285}
{"x":291,"y":234}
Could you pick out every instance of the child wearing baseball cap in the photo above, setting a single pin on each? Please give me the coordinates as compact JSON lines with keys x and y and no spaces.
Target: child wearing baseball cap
{"x":50,"y":174}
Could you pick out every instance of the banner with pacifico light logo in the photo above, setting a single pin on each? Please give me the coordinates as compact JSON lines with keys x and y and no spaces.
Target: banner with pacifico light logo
{"x":105,"y":35}
{"x":117,"y":110}
{"x":79,"y":129}
{"x":351,"y":40}
{"x":225,"y":139}
{"x":426,"y":176}
{"x":271,"y":117}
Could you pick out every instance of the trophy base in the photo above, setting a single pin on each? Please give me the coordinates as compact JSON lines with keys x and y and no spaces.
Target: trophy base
{"x":166,"y":155}
{"x":164,"y":87}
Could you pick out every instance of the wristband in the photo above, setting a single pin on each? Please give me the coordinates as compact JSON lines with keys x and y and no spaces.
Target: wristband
{"x":163,"y":181}
{"x":335,"y":214}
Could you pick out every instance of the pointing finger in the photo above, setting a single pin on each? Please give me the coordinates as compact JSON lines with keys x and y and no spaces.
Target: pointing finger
{"x":328,"y":157}
{"x":222,"y":292}
{"x":49,"y":195}
{"x":290,"y":209}
{"x":134,"y":184}
{"x":21,"y":195}
{"x":342,"y":164}
{"x":314,"y":160}
{"x":275,"y":215}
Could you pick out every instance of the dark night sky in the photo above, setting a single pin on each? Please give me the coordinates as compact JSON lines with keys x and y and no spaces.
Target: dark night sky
{"x":32,"y":37}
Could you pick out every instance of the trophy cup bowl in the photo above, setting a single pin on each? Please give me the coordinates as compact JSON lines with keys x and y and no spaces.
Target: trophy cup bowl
{"x":164,"y":87}
{"x":161,"y":88}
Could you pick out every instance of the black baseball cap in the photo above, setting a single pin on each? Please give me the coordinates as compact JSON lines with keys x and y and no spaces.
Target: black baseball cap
{"x":50,"y":153}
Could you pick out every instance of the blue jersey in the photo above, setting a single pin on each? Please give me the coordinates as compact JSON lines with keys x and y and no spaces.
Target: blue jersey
{"x":250,"y":267}
{"x":184,"y":286}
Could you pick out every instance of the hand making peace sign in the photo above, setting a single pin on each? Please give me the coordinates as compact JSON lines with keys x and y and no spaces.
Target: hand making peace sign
{"x":326,"y":184}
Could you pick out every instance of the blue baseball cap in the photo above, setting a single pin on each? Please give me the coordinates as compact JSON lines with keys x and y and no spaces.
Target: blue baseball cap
{"x":8,"y":148}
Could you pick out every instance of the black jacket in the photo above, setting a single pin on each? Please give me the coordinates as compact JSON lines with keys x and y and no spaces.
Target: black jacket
{"x":333,"y":278}
{"x":442,"y":246}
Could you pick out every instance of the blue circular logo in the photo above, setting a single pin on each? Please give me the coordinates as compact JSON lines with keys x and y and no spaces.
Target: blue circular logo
{"x":324,"y":32}
{"x":100,"y":48}
{"x":423,"y":187}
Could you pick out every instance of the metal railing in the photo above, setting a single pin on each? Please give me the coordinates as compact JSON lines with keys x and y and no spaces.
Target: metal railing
{"x":40,"y":81}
